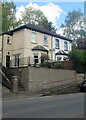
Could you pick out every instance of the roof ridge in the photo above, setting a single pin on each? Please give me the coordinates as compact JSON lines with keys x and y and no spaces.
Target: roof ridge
{"x":38,"y":29}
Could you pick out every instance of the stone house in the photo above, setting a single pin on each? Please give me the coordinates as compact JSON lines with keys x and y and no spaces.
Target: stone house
{"x":26,"y":44}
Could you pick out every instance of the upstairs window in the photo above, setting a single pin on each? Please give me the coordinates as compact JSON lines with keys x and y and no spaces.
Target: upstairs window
{"x":45,"y":40}
{"x":33,"y":38}
{"x":57,"y":43}
{"x":65,"y":45}
{"x":9,"y":41}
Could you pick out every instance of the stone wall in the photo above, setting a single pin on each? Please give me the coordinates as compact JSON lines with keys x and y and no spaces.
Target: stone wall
{"x":37,"y":79}
{"x":42,"y":78}
{"x":23,"y":74}
{"x":80,"y":77}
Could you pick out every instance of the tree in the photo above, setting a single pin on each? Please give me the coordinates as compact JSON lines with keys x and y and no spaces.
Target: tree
{"x":79,"y":59}
{"x":81,"y":44}
{"x":8,"y":16}
{"x":73,"y":26}
{"x":36,"y":17}
{"x":44,"y":58}
{"x":47,"y":25}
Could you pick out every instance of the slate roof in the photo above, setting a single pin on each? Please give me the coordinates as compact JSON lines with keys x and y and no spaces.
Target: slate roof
{"x":40,"y":48}
{"x":61,"y":52}
{"x":38,"y":29}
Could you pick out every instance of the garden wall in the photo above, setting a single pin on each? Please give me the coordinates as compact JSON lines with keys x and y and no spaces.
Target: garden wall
{"x":43,"y":78}
{"x":37,"y":79}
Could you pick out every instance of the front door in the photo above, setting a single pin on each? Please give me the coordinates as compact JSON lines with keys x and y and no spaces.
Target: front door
{"x":7,"y":61}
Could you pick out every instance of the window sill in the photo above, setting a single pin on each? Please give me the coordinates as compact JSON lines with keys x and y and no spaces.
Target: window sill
{"x":57,"y":48}
{"x":45,"y":45}
{"x":33,"y":43}
{"x":8,"y":43}
{"x":65,"y":50}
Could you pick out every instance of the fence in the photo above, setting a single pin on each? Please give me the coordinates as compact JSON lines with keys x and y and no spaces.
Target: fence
{"x":30,"y":61}
{"x":20,"y":62}
{"x":26,"y":61}
{"x":66,"y":64}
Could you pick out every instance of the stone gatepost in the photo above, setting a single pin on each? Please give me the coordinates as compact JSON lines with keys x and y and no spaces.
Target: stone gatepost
{"x":14,"y":83}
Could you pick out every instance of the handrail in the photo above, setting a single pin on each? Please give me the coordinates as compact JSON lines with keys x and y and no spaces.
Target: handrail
{"x":4,"y":75}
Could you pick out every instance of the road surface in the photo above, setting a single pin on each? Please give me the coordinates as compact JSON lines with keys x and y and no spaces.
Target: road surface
{"x":60,"y":106}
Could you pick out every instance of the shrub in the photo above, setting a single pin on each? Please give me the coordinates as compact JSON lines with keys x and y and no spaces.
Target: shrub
{"x":79,"y":59}
{"x":46,"y":64}
{"x":58,"y":65}
{"x":44,"y":58}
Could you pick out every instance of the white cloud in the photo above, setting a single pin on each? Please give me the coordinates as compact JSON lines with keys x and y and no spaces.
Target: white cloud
{"x":60,"y":31}
{"x":50,"y":10}
{"x":35,"y":5}
{"x":19,"y":10}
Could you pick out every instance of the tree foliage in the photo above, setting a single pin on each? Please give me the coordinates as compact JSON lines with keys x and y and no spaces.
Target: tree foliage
{"x":36,"y":17}
{"x":29,"y":15}
{"x":44,"y":58}
{"x":79,"y":59}
{"x":73,"y":26}
{"x":8,"y":16}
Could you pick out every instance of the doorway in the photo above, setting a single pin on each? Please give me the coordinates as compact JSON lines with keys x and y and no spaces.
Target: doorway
{"x":7,"y":61}
{"x":35,"y":59}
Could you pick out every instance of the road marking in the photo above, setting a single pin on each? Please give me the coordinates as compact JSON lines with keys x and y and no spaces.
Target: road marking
{"x":26,"y":98}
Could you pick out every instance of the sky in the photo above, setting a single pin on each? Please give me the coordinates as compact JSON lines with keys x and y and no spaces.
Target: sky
{"x":55,"y":12}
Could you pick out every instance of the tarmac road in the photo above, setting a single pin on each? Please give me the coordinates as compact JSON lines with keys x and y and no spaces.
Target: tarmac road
{"x":60,"y":106}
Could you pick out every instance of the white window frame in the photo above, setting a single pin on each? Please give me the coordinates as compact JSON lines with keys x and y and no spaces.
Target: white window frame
{"x":16,"y":61}
{"x":58,"y":58}
{"x":34,"y":37}
{"x":46,"y":40}
{"x":57,"y":43}
{"x":65,"y":59}
{"x":66,"y":45}
{"x":36,"y":54}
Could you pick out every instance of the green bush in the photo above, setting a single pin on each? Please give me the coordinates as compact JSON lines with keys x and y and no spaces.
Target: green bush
{"x":46,"y":64}
{"x":44,"y":58}
{"x":58,"y":65}
{"x":79,"y":59}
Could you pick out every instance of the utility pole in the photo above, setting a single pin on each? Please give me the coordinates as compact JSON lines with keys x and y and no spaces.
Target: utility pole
{"x":85,"y":16}
{"x":51,"y":49}
{"x":2,"y":48}
{"x":85,"y":35}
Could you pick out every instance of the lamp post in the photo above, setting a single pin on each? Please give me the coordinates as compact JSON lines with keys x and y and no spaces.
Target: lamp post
{"x":2,"y":49}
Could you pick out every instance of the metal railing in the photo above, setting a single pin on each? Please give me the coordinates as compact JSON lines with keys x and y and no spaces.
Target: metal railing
{"x":5,"y":77}
{"x":20,"y":62}
{"x":26,"y":61}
